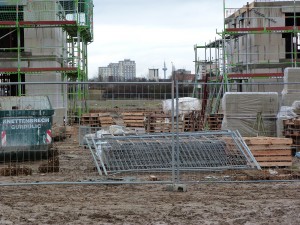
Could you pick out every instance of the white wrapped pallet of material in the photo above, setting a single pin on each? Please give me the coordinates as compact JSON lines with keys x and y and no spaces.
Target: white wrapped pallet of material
{"x":250,"y":103}
{"x":288,"y":98}
{"x":185,"y":105}
{"x":296,"y":107}
{"x":291,"y":79}
{"x":247,"y":126}
{"x":252,"y":113}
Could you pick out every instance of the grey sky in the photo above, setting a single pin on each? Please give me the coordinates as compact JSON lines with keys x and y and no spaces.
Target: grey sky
{"x":153,"y":31}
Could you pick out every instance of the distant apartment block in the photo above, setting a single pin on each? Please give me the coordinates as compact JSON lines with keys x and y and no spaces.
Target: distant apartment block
{"x":122,"y":71}
{"x":153,"y":75}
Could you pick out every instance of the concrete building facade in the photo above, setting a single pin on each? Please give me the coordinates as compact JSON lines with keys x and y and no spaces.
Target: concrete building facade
{"x":262,"y":39}
{"x":41,"y":45}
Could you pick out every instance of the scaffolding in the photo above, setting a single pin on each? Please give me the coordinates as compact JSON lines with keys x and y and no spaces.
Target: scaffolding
{"x":46,"y":41}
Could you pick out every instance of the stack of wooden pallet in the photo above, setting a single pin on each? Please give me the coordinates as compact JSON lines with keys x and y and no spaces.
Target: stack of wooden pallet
{"x":214,"y":121}
{"x":161,"y":123}
{"x":90,"y":119}
{"x":291,"y":129}
{"x":105,"y":120}
{"x":271,"y":152}
{"x":133,"y":119}
{"x":193,"y":121}
{"x":96,"y":119}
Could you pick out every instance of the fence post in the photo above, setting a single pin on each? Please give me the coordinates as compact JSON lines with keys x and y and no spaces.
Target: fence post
{"x":177,"y":132}
{"x":173,"y":133}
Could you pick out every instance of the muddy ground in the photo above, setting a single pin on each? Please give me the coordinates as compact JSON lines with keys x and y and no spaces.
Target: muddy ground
{"x":263,"y":203}
{"x":212,"y":203}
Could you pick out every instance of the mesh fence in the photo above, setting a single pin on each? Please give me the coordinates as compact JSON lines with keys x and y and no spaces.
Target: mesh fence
{"x":135,"y":132}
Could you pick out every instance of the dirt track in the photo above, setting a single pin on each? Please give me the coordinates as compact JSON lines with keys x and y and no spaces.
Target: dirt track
{"x":267,"y":203}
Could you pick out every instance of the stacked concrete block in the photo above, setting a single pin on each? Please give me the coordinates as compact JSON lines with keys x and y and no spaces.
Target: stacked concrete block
{"x":252,"y":114}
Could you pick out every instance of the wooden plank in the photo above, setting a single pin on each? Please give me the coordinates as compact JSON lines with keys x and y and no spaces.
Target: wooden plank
{"x":135,"y":124}
{"x":133,"y":114}
{"x":105,"y":119}
{"x":256,"y":141}
{"x":297,"y":122}
{"x":274,"y":164}
{"x":133,"y":121}
{"x":274,"y":153}
{"x":104,"y":114}
{"x":269,"y":147}
{"x":94,"y":115}
{"x":273,"y":158}
{"x":133,"y":118}
{"x":281,"y":141}
{"x":267,"y":141}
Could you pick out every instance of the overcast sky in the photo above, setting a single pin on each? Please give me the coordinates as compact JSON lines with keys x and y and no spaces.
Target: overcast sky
{"x":153,"y":31}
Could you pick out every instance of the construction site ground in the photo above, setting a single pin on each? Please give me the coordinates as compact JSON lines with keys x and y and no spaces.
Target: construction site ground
{"x":245,"y":203}
{"x":203,"y":203}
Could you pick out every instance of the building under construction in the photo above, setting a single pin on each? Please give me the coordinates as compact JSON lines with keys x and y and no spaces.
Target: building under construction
{"x":257,"y":53}
{"x":259,"y":40}
{"x":43,"y":45}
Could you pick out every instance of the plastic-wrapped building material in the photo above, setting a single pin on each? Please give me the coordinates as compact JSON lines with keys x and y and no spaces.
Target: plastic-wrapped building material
{"x":291,"y":90}
{"x":250,"y":103}
{"x":252,"y":113}
{"x":296,"y":107}
{"x":291,"y":80}
{"x":185,"y":105}
{"x":289,"y":98}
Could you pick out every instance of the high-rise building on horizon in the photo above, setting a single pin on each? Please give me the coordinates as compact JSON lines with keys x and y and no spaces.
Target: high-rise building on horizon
{"x":122,"y":71}
{"x":153,"y":75}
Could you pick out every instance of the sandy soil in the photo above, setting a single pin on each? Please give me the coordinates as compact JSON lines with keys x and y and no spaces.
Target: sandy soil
{"x":263,"y":203}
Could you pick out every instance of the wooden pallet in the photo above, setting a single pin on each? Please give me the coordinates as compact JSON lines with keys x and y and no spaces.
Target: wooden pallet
{"x":161,"y":123}
{"x":214,"y":121}
{"x":105,"y":120}
{"x":291,"y":129}
{"x":133,"y":119}
{"x":270,"y":151}
{"x":90,"y":119}
{"x":193,"y":121}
